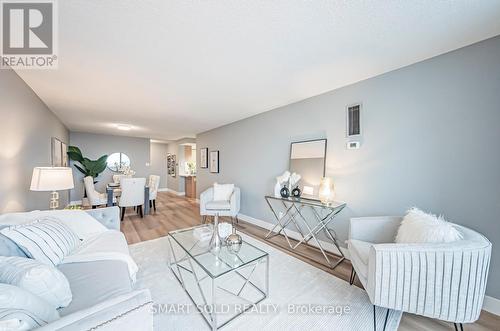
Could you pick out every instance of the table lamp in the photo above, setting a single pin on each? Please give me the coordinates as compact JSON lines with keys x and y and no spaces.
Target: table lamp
{"x":52,"y":179}
{"x":326,"y":190}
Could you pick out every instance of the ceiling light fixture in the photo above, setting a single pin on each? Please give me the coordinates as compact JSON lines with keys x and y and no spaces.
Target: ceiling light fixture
{"x":123,"y":127}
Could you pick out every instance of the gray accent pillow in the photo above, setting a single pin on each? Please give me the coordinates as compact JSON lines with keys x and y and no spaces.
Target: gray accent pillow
{"x":8,"y":247}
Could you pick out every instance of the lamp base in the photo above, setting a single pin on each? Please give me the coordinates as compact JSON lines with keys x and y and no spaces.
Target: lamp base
{"x":54,"y":200}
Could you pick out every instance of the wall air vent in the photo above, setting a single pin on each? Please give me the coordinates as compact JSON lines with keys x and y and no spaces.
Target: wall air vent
{"x":354,"y":120}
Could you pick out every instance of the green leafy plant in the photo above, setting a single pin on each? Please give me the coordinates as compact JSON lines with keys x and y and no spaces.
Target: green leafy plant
{"x":87,"y":166}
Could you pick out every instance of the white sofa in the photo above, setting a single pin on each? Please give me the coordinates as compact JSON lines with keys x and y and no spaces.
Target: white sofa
{"x":446,"y":281}
{"x":101,"y":274}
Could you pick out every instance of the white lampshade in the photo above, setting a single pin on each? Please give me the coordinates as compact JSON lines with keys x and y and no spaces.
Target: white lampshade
{"x":52,"y":179}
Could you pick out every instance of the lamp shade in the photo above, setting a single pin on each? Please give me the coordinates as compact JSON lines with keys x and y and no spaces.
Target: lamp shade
{"x":51,"y":179}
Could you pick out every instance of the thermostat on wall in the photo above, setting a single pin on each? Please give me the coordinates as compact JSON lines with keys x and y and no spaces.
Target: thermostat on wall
{"x":353,"y":144}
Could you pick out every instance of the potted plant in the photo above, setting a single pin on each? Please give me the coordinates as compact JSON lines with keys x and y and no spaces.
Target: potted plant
{"x":85,"y":165}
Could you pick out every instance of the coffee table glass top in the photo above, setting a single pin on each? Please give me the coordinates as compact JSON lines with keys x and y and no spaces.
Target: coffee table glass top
{"x":215,"y":263}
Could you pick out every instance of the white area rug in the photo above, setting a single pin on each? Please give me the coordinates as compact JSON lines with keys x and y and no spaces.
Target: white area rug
{"x":291,"y":282}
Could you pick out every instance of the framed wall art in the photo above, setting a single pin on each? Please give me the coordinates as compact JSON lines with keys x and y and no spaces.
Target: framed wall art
{"x":171,"y":164}
{"x":204,"y":158}
{"x":214,"y":161}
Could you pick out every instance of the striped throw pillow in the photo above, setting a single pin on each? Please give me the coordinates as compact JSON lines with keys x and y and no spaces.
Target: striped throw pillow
{"x":47,"y":240}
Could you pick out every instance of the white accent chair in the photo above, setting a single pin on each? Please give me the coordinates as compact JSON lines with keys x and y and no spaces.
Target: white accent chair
{"x":210,"y":207}
{"x":95,"y":198}
{"x":446,"y":281}
{"x":154,"y":184}
{"x":132,"y":194}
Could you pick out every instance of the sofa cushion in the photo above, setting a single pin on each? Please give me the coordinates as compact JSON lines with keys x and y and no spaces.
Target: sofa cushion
{"x":24,"y":306}
{"x":95,"y":282}
{"x":218,"y":205}
{"x":83,"y":224}
{"x":360,"y":255}
{"x":47,"y":240}
{"x":43,"y":280}
{"x":109,"y":245}
{"x":8,"y":247}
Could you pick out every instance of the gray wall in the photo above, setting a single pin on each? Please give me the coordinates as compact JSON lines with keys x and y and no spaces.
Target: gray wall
{"x":430,"y":136}
{"x":159,"y":162}
{"x":26,"y":129}
{"x":94,"y":146}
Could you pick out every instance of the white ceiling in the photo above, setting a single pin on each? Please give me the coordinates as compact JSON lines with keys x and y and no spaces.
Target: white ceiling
{"x":176,"y":68}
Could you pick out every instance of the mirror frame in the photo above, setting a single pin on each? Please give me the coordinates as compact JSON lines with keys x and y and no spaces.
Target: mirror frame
{"x":307,"y":141}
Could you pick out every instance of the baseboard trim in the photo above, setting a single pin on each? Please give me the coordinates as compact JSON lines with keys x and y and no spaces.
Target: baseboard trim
{"x":329,"y":247}
{"x":491,"y":305}
{"x":164,"y":189}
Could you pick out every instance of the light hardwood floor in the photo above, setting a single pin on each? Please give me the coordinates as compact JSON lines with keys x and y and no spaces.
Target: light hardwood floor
{"x":175,"y":212}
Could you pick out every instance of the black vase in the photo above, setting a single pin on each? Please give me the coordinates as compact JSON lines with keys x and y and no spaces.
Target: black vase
{"x":285,"y":192}
{"x":296,"y":192}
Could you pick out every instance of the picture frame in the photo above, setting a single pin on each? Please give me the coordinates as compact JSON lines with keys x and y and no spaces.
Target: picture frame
{"x":64,"y":155}
{"x":214,"y":162}
{"x":56,"y":152}
{"x":204,"y":158}
{"x":171,"y":164}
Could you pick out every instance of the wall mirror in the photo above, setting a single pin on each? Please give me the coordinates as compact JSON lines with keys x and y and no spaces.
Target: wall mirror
{"x":117,"y":161}
{"x":308,"y":159}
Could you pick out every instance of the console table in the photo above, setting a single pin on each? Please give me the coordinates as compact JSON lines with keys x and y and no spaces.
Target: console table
{"x":293,"y":218}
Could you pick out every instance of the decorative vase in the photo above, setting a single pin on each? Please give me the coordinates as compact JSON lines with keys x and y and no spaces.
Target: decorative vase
{"x":285,"y":192}
{"x":233,"y":242}
{"x":296,"y":192}
{"x":215,"y":241}
{"x":277,"y":189}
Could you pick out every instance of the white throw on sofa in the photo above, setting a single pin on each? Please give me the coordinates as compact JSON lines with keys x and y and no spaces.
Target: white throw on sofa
{"x":100,"y":272}
{"x":446,"y":281}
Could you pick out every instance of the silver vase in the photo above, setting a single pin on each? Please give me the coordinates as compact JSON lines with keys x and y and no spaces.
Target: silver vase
{"x":215,"y":241}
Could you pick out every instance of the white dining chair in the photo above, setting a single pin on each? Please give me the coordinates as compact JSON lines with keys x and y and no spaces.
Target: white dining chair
{"x":154,"y":184}
{"x":132,"y":194}
{"x":94,"y":197}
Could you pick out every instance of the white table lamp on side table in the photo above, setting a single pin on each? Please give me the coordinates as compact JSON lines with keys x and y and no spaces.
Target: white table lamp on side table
{"x":52,"y":179}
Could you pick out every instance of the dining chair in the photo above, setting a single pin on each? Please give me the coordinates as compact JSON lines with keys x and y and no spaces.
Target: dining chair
{"x":95,"y":197}
{"x":154,"y":184}
{"x":132,"y":194}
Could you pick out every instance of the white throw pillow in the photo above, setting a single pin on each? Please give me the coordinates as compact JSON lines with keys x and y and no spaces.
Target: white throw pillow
{"x":47,"y":240}
{"x":222,"y":192}
{"x":43,"y":280}
{"x":29,"y":310}
{"x":79,"y":221}
{"x":420,"y":227}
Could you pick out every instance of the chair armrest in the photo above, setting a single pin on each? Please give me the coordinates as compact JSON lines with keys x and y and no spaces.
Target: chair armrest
{"x":374,"y":229}
{"x":235,"y":201}
{"x":109,"y":217}
{"x":131,"y":311}
{"x":206,"y":196}
{"x":445,"y":281}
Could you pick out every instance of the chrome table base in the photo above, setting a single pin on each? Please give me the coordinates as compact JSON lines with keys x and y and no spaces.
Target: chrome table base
{"x":308,"y":228}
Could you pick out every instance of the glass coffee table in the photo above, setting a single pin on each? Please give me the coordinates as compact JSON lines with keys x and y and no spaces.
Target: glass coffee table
{"x":223,"y":283}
